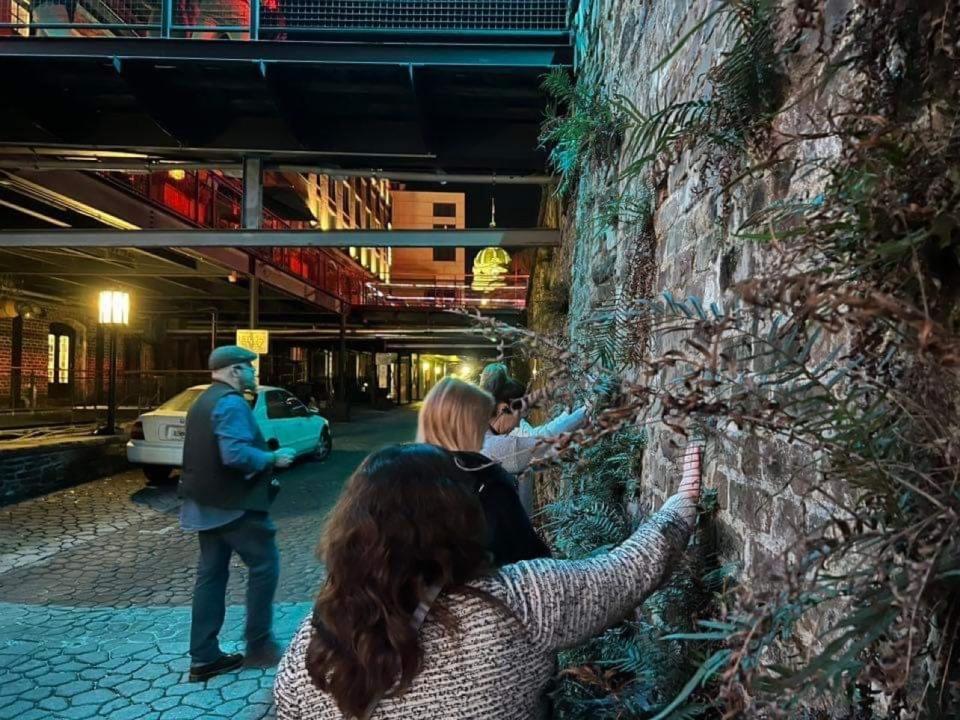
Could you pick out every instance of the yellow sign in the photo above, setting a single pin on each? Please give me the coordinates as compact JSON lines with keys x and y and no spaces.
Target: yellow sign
{"x":257,"y":341}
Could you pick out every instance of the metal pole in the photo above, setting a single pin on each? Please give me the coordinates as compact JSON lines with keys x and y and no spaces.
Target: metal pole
{"x":166,"y":17}
{"x":409,"y":378}
{"x":342,"y":360}
{"x":252,"y":193}
{"x":252,"y":219}
{"x":111,"y":428}
{"x":98,"y":370}
{"x":213,"y":329}
{"x":254,"y":19}
{"x":254,"y":297}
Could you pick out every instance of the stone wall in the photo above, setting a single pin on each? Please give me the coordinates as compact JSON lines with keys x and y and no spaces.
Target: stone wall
{"x":29,"y":469}
{"x":688,"y":250}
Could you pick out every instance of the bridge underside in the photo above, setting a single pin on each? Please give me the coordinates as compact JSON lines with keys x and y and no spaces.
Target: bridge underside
{"x":468,"y":108}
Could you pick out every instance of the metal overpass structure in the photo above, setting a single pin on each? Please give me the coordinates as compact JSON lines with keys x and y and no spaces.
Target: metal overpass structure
{"x":433,"y":86}
{"x":425,"y":90}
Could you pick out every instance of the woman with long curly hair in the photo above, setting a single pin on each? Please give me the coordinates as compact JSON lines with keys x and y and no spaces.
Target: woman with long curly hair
{"x":412,"y":623}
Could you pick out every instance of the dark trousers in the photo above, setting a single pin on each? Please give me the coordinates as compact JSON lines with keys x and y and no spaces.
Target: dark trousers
{"x":252,"y":537}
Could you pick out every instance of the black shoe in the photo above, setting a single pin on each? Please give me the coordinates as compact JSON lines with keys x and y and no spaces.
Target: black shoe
{"x":263,"y":655}
{"x":225,"y":663}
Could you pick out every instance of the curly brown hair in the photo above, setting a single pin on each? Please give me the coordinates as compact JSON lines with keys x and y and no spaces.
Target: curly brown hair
{"x":407,"y":519}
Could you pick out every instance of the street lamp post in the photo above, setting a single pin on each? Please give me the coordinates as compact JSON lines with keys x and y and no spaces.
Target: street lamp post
{"x":114,"y":314}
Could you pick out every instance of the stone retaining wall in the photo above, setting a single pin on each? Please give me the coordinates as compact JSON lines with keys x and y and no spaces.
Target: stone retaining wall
{"x":31,"y":469}
{"x":689,"y":248}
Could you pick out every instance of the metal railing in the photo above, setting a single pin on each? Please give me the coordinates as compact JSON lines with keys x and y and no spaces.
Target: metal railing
{"x":211,"y":199}
{"x":29,"y":391}
{"x":278,"y":19}
{"x":456,"y":292}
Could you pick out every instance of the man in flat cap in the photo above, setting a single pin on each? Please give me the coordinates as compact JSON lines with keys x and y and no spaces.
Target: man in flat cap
{"x":227,"y":486}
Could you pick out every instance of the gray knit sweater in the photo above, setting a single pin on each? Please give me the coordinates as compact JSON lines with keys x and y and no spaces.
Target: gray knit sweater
{"x":499,"y":667}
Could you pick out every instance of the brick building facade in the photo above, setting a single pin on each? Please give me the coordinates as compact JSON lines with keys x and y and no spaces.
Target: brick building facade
{"x":33,"y":373}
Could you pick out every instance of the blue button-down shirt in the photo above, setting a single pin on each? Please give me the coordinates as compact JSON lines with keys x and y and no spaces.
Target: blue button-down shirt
{"x":237,"y":432}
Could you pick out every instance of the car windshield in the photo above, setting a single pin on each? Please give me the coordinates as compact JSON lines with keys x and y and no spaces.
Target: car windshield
{"x":183,"y":401}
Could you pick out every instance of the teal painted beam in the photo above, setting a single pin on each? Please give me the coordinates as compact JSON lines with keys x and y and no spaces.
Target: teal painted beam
{"x":280,"y":238}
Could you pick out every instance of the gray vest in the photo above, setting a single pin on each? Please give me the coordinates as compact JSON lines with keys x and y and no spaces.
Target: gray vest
{"x":205,"y":479}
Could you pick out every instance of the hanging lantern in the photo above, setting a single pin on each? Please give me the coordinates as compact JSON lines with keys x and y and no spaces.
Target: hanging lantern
{"x":489,"y":267}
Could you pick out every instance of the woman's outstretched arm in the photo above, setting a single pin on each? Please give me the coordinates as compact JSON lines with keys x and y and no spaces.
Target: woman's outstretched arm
{"x":563,"y":603}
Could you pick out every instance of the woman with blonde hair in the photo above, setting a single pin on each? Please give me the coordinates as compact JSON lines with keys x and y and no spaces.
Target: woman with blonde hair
{"x":454,"y":416}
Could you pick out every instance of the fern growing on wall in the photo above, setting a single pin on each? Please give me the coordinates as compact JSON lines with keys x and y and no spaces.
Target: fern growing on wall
{"x":746,"y":89}
{"x":631,"y":670}
{"x":582,"y":126}
{"x":845,"y":347}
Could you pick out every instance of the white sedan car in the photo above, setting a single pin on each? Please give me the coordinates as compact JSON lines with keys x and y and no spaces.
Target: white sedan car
{"x":156,"y":438}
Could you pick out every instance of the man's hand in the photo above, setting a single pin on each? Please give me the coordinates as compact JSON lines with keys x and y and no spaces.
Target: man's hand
{"x":284,"y":457}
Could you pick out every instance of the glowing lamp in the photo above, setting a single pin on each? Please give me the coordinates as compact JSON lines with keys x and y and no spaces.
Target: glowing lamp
{"x":488,"y":268}
{"x":114,"y":307}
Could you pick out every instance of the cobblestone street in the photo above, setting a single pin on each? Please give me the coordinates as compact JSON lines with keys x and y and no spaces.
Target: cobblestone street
{"x":95,"y":587}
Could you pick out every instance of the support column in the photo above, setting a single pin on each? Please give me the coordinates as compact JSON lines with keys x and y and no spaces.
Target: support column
{"x":343,"y":401}
{"x":98,"y":368}
{"x":254,"y":295}
{"x":409,"y":378}
{"x":111,"y":428}
{"x":373,"y":378}
{"x":252,"y":219}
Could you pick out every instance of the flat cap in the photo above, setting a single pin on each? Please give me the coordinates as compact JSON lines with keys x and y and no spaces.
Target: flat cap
{"x":227,"y":355}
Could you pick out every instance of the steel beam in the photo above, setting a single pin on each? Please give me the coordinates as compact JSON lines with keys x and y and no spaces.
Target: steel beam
{"x":280,"y":238}
{"x":491,"y":55}
{"x":148,"y":166}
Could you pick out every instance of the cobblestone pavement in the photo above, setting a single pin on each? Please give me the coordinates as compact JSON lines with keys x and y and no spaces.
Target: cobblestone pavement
{"x":95,"y":587}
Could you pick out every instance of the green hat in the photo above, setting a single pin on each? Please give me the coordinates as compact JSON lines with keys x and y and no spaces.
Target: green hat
{"x":227,"y":355}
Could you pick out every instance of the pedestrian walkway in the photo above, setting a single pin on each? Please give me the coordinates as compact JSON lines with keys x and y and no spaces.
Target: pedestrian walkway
{"x":95,"y":588}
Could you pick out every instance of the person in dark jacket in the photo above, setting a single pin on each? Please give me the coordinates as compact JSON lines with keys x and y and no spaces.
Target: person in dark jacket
{"x":454,"y":416}
{"x":227,"y":486}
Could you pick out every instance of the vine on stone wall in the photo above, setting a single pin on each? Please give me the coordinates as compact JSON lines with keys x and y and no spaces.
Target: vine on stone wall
{"x":582,"y":127}
{"x":746,"y":89}
{"x":846,"y":347}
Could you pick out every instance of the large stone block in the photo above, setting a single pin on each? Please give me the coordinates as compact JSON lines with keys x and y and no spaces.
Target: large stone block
{"x":751,"y":505}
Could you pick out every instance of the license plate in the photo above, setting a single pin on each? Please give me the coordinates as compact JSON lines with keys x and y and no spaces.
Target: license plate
{"x":175,"y":433}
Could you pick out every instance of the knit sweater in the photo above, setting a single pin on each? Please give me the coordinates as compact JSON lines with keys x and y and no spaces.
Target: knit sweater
{"x":497,"y":668}
{"x":518,"y":448}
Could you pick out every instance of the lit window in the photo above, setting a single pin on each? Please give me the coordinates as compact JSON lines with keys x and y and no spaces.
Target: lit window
{"x":59,"y":354}
{"x":63,"y":360}
{"x":51,"y":356}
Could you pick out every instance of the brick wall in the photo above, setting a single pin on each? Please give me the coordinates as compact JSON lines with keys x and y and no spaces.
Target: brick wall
{"x":34,"y":385}
{"x":620,"y":43}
